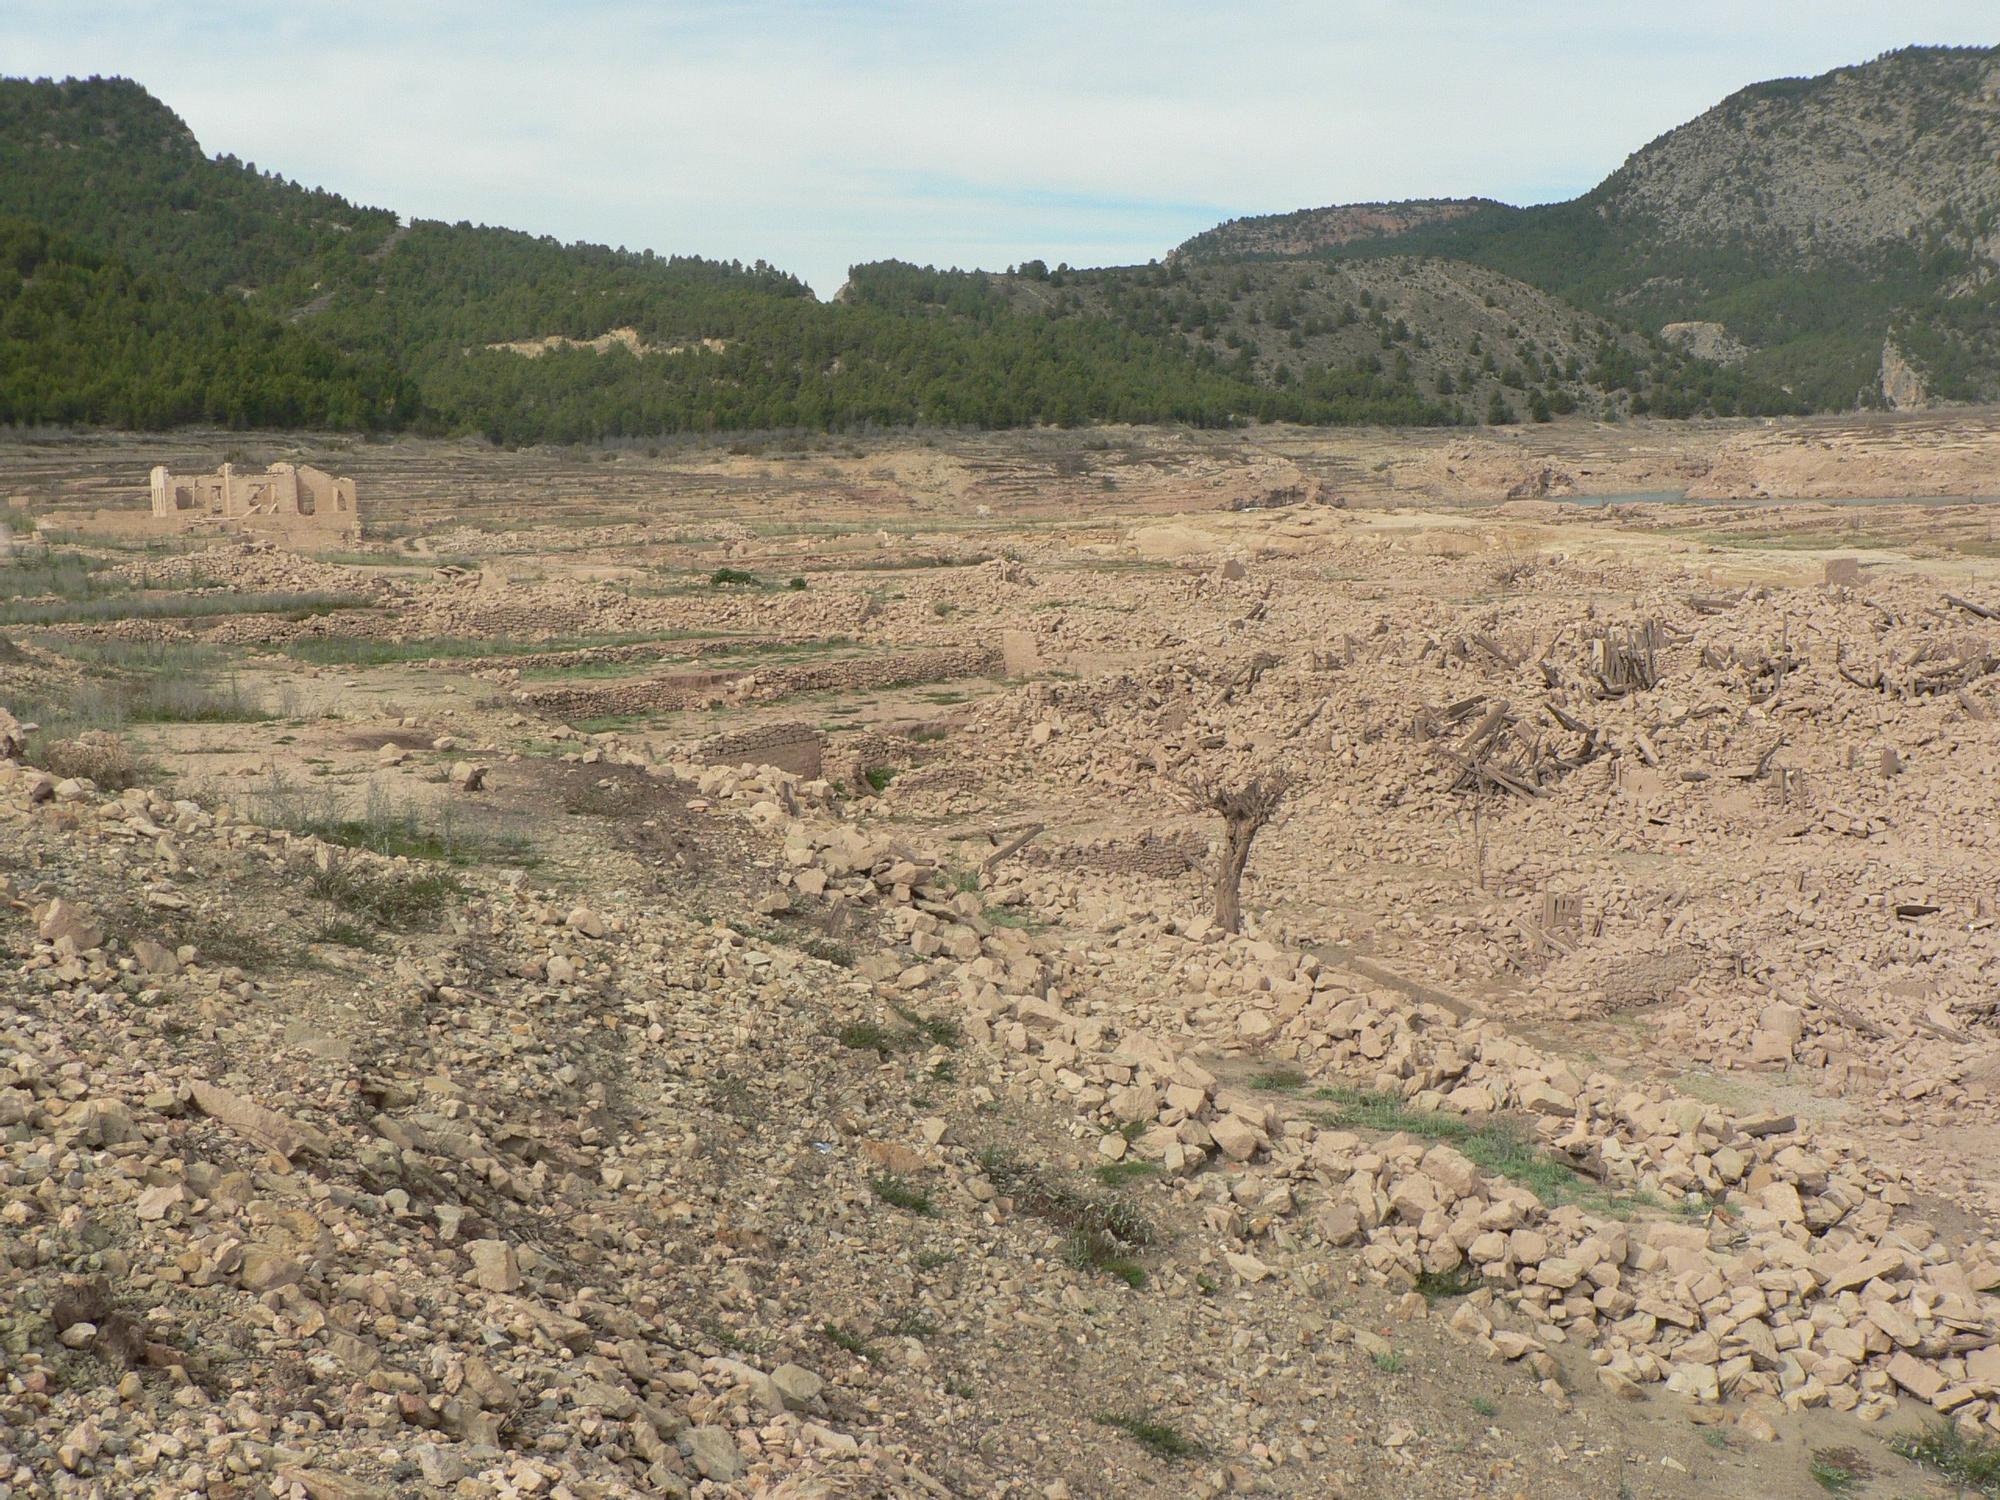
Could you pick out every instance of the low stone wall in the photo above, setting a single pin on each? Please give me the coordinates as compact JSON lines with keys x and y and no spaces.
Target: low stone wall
{"x":792,"y":747}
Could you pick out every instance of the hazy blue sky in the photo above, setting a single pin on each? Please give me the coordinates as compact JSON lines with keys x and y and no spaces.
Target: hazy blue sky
{"x":814,"y":134}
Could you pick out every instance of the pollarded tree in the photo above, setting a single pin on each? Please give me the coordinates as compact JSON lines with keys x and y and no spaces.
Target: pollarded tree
{"x":1245,"y":807}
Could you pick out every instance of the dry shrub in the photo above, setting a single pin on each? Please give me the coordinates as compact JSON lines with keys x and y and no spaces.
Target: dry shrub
{"x":96,"y":755}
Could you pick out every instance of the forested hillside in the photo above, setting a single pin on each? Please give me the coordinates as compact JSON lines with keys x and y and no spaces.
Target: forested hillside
{"x":148,"y":284}
{"x":85,"y":340}
{"x":1483,"y":346}
{"x":409,"y":324}
{"x":1816,"y":220}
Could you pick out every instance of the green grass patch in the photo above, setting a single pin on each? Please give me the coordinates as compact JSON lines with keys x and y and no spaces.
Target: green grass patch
{"x":868,"y":1036}
{"x":879,"y":777}
{"x":1279,"y":1081}
{"x":1838,"y":1471}
{"x":898,"y":1191}
{"x":62,"y":575}
{"x":388,"y":828}
{"x":1157,"y":1438}
{"x":1125,"y":1173}
{"x":1008,"y":916}
{"x":840,"y":1338}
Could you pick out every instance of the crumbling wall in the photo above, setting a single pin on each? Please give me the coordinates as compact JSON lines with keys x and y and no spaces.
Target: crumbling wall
{"x":285,"y":498}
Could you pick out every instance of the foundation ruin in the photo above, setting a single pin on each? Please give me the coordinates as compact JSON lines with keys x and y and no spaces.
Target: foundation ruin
{"x":292,"y":499}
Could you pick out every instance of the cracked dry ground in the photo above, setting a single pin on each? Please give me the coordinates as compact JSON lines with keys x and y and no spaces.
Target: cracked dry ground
{"x":349,"y":1197}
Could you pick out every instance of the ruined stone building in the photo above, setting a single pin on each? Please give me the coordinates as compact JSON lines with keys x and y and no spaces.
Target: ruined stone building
{"x":285,"y":498}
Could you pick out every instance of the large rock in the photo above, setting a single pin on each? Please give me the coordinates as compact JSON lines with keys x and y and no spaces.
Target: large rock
{"x":62,"y":919}
{"x":494,"y":1265}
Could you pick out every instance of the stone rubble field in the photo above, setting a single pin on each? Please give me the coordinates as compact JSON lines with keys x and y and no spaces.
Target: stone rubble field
{"x":658,"y":1003}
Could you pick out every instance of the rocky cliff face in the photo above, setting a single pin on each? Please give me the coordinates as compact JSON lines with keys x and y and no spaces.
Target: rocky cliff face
{"x":1903,"y":388}
{"x":1311,"y":230}
{"x":1884,"y":152}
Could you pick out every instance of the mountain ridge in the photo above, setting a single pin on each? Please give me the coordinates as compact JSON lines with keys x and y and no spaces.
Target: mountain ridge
{"x":1805,"y":244}
{"x":1830,"y":224}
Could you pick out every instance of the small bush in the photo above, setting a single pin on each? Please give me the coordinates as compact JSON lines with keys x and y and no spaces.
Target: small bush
{"x":95,"y":755}
{"x":797,"y":585}
{"x":939,"y":1031}
{"x":828,"y":951}
{"x":866,"y":1036}
{"x":724,"y":577}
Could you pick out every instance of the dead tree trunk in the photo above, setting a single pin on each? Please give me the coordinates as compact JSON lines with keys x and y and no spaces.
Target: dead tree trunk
{"x":1244,"y":813}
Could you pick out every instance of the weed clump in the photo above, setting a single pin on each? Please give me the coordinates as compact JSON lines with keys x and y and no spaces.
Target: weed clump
{"x":1102,"y":1233}
{"x":385,"y":898}
{"x":899,"y":1192}
{"x":1965,"y":1460}
{"x":1157,"y":1438}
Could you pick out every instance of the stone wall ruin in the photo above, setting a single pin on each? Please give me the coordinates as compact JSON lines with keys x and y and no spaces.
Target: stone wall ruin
{"x":285,"y":498}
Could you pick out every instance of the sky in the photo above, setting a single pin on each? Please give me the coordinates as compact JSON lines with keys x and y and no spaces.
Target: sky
{"x":816,"y":135}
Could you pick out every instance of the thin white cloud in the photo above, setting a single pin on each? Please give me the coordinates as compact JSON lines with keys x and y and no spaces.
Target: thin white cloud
{"x":817,"y":134}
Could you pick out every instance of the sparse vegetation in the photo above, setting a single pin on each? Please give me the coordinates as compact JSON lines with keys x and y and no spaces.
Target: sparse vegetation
{"x":1440,"y":1286}
{"x":1838,"y":1471}
{"x":1279,"y":1081}
{"x":137,"y":606}
{"x":899,"y":1192}
{"x":1157,"y":1438}
{"x":392,"y":899}
{"x":1101,"y":1233}
{"x":840,"y":1338}
{"x":1969,"y":1462}
{"x":389,"y":827}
